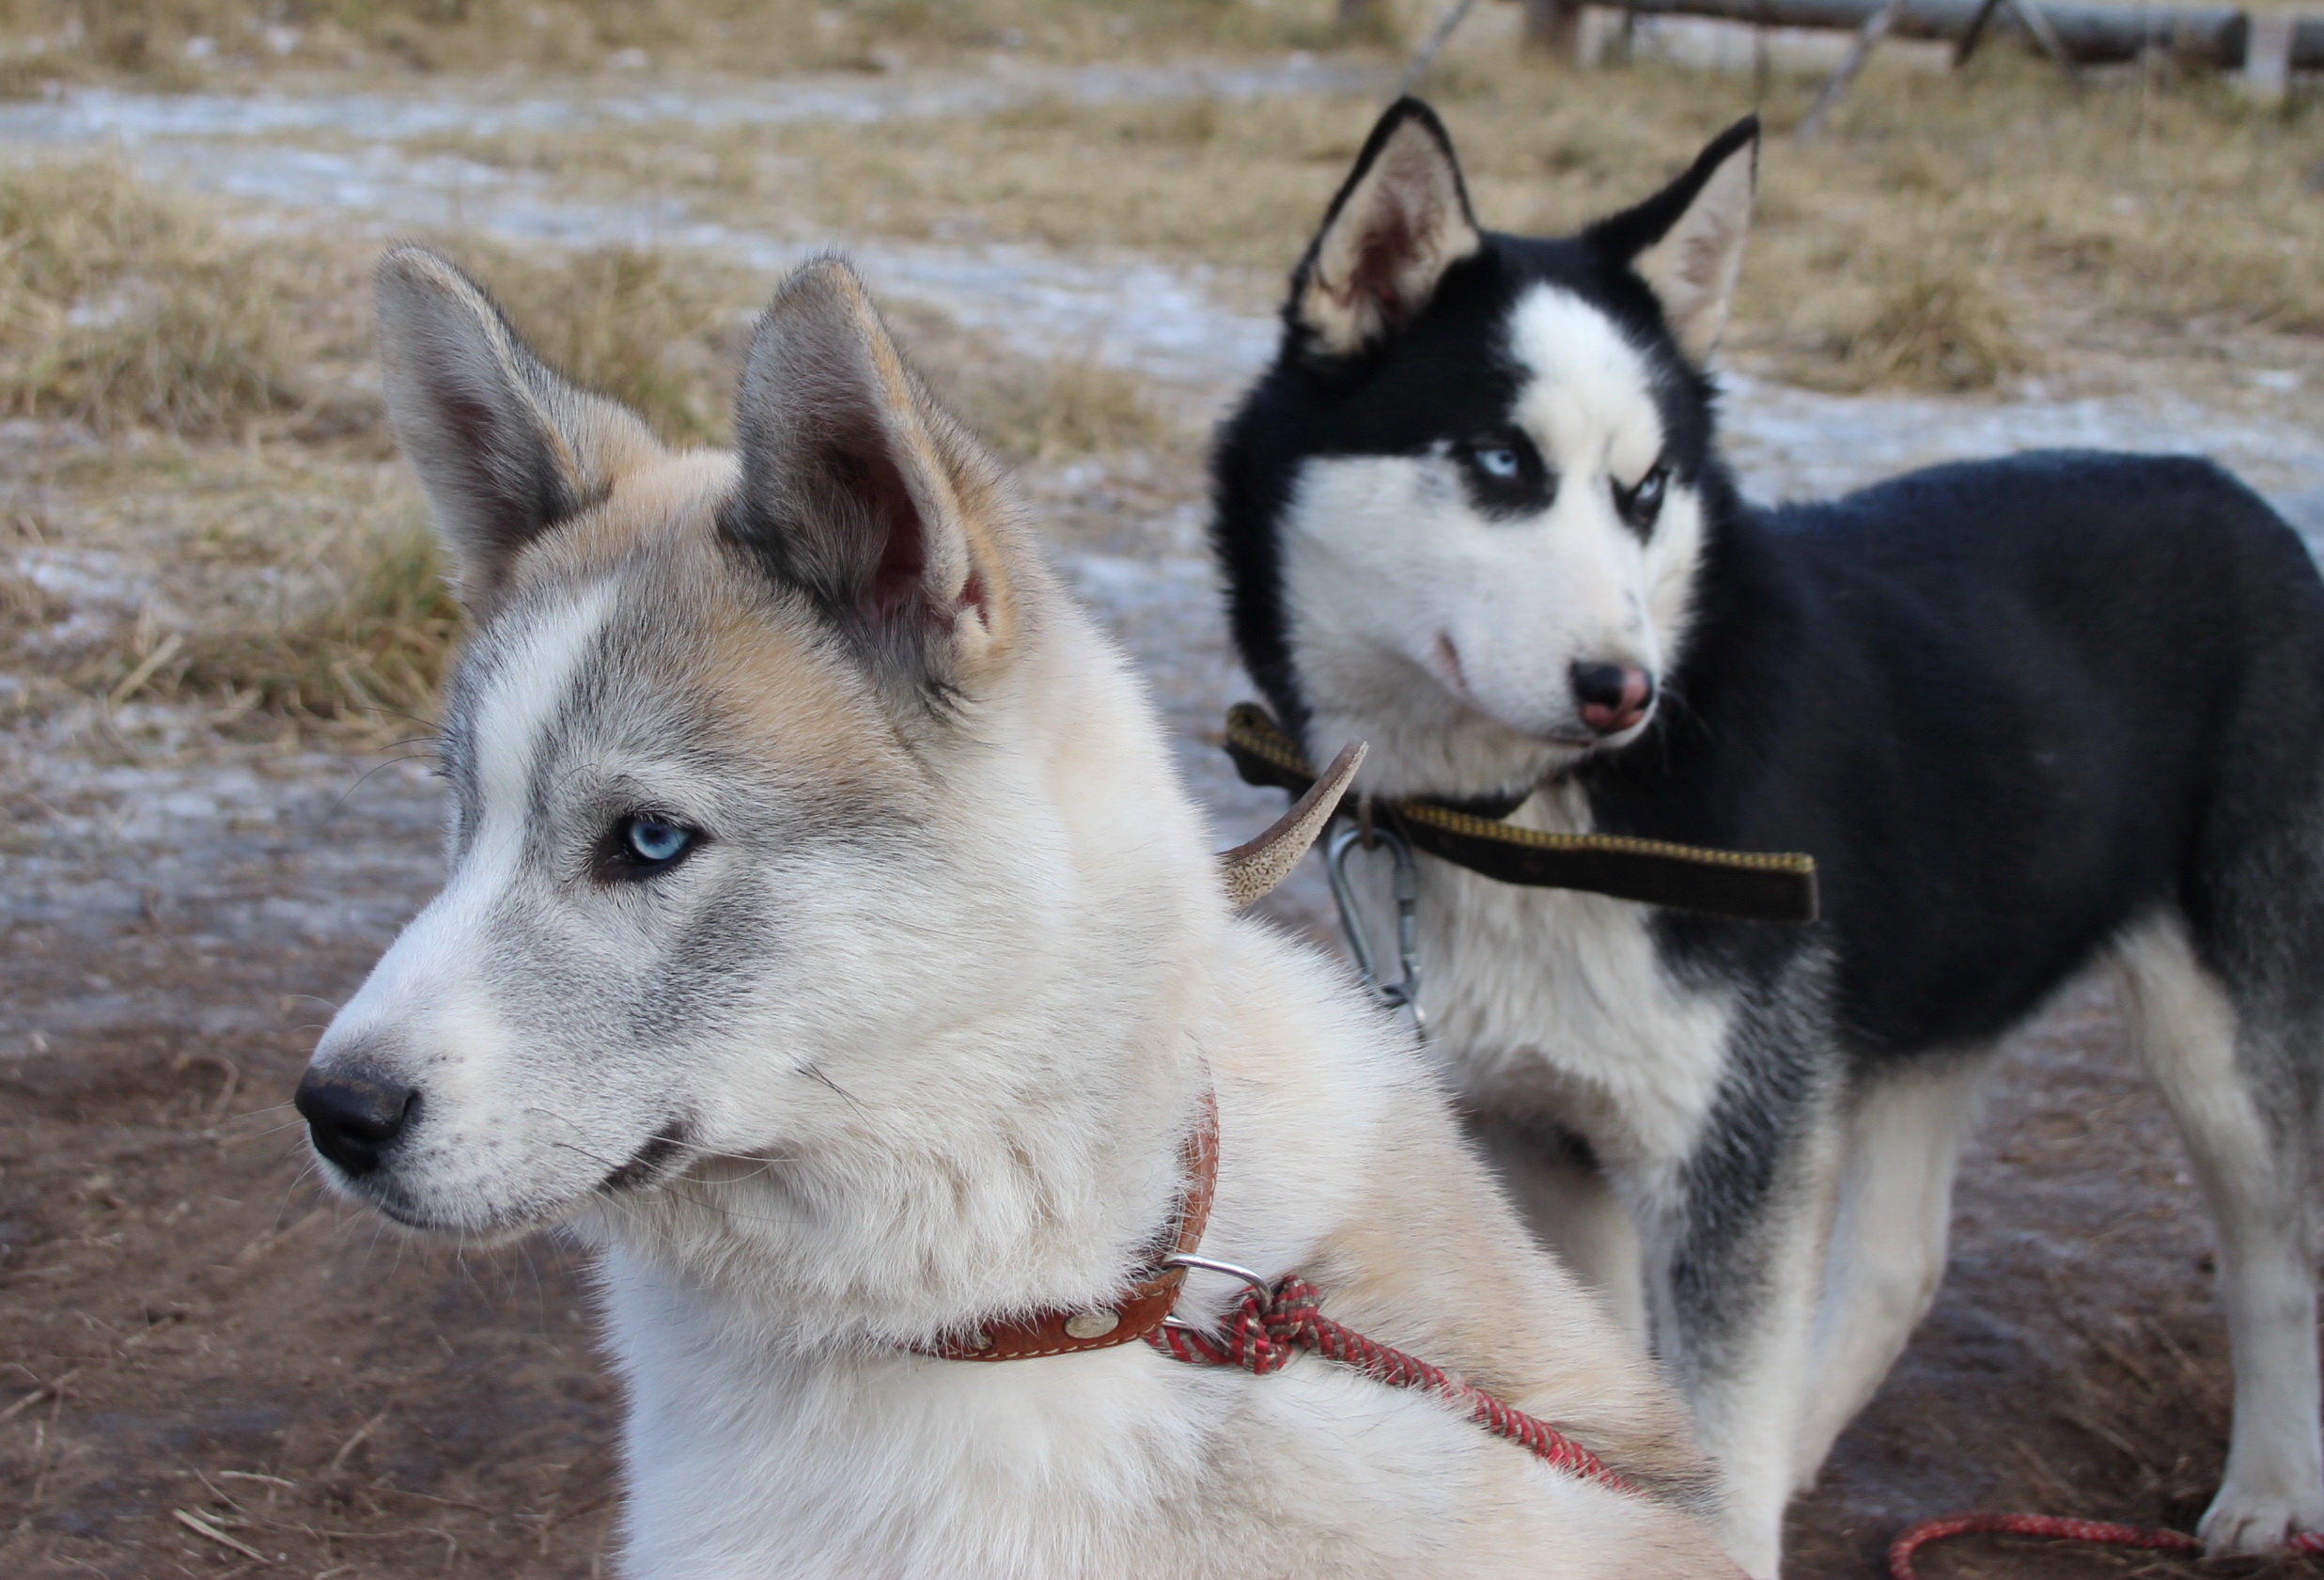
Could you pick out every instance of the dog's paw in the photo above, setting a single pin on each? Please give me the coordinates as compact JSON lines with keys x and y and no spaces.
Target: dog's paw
{"x":2259,"y":1521}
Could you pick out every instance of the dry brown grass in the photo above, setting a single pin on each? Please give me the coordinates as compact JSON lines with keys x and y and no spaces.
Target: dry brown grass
{"x":148,"y":41}
{"x":122,"y":310}
{"x":667,"y":334}
{"x":291,"y":574}
{"x":1029,"y":410}
{"x":361,"y":639}
{"x":663,"y":333}
{"x":254,"y":582}
{"x":1947,"y":232}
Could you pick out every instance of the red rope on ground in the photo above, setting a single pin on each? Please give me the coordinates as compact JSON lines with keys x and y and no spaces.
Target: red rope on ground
{"x":1262,"y":1333}
{"x":1914,"y":1537}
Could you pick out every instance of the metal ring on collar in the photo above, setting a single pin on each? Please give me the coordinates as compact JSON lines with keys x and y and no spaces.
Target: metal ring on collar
{"x":1210,"y":1264}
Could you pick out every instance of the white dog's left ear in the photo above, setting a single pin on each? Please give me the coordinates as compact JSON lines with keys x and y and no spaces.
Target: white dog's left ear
{"x":864,"y":494}
{"x":1686,"y":241}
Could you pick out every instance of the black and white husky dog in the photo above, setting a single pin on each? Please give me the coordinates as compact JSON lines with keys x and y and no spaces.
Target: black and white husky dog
{"x":2029,"y":715}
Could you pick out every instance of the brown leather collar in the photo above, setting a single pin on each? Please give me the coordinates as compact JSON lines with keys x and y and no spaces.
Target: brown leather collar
{"x":1142,"y":1307}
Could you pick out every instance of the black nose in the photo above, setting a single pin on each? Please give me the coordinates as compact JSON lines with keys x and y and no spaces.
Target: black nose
{"x":1614,"y":697}
{"x":353,"y":1120}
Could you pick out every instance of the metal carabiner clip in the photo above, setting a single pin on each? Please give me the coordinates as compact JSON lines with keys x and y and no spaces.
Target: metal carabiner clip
{"x":1403,"y":994}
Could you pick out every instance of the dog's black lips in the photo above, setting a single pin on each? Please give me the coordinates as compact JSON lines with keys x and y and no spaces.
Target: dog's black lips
{"x":648,"y":1164}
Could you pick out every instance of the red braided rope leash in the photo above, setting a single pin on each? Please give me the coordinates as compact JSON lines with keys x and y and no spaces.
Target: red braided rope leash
{"x":1267,"y":1327}
{"x":1914,"y":1537}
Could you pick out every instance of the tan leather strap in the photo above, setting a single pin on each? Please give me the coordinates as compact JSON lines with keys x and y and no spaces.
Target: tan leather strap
{"x":1140,"y":1309}
{"x":1764,"y":885}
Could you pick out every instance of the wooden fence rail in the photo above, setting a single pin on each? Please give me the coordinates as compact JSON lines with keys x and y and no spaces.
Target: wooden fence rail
{"x":2092,"y":34}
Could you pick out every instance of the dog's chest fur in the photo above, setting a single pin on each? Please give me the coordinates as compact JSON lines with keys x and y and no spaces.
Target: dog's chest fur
{"x":1561,"y":1006}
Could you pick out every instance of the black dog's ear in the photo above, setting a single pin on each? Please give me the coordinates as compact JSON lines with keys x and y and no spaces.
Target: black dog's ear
{"x":504,"y":448}
{"x":1399,"y":223}
{"x":1686,"y":241}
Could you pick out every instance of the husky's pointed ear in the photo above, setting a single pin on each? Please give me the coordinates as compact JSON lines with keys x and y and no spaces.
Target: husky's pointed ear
{"x":1399,"y":223}
{"x":1686,"y":241}
{"x":861,"y":492}
{"x":505,"y":448}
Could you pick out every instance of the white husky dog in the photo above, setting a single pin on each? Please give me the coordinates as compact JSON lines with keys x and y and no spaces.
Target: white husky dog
{"x":830,"y":943}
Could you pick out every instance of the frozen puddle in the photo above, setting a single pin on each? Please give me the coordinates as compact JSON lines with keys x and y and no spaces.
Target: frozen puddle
{"x":1795,"y":443}
{"x":1157,"y":320}
{"x":488,"y":106}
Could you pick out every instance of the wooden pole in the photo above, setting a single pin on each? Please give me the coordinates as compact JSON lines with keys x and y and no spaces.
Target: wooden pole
{"x":2090,"y":34}
{"x":1835,"y":86}
{"x":1554,"y":25}
{"x":2037,"y":22}
{"x":1966,"y":45}
{"x":1438,"y":36}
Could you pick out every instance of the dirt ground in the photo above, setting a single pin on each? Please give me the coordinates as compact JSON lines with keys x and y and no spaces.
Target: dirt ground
{"x":206,"y":1368}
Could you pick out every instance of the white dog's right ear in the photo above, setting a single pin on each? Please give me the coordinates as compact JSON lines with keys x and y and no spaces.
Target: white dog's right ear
{"x":862,"y":492}
{"x":1400,"y":221}
{"x":504,"y":448}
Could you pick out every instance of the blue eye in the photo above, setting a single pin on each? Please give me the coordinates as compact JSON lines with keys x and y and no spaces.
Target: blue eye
{"x":1501,"y":463}
{"x":1642,"y":504}
{"x":655,"y":841}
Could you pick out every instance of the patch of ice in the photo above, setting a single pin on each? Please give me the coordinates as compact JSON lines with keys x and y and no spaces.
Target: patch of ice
{"x":1798,"y":443}
{"x":1137,"y":314}
{"x":85,"y":576}
{"x":87,"y":114}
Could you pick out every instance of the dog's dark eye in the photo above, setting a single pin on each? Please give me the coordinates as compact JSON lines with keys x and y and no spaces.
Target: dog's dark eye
{"x":1642,"y":503}
{"x":1506,"y":474}
{"x":643,"y":844}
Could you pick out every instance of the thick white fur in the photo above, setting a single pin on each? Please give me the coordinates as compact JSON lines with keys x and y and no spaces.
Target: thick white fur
{"x":1548,"y":1000}
{"x":952,"y":986}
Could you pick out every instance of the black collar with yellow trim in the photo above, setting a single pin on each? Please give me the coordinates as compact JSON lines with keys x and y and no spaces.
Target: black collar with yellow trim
{"x":1773,"y":886}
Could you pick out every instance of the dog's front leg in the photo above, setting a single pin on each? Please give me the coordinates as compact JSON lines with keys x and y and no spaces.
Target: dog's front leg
{"x":1895,"y":1208}
{"x":1735,"y":1301}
